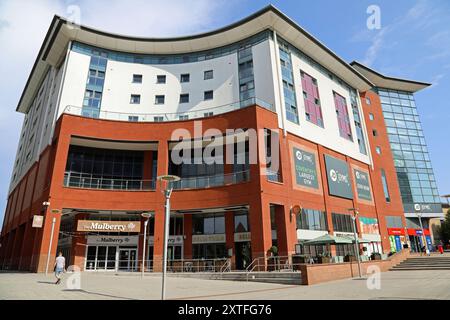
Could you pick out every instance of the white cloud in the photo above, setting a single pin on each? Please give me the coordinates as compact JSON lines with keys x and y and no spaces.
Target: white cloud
{"x":24,"y":23}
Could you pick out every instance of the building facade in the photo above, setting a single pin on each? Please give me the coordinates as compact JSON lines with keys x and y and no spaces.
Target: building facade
{"x":106,"y":114}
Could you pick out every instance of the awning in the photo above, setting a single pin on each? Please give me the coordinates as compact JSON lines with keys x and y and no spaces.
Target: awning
{"x":328,"y":239}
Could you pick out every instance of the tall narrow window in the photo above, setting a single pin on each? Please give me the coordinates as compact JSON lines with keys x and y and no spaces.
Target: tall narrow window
{"x":385,"y":186}
{"x":313,"y":109}
{"x":342,"y":116}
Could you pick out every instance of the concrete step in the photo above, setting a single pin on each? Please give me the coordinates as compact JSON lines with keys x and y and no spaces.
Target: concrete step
{"x":418,"y":268}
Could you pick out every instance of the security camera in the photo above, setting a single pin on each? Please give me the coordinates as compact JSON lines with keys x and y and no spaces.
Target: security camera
{"x":46,"y":204}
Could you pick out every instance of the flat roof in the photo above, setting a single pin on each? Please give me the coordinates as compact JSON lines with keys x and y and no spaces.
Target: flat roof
{"x":383,"y":81}
{"x":61,"y":32}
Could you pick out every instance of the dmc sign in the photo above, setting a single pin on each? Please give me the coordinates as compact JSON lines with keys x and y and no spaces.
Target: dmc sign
{"x":339,"y":183}
{"x":108,"y":226}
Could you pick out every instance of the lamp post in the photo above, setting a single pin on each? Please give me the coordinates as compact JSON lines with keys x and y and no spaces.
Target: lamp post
{"x":166,"y":188}
{"x":147,"y":216}
{"x":354,"y":215}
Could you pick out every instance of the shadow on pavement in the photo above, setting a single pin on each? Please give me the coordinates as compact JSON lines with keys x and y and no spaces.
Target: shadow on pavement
{"x":47,"y":282}
{"x":97,"y":294}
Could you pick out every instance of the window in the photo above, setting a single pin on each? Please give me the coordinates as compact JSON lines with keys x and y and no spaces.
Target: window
{"x":184,"y":98}
{"x":208,"y":224}
{"x":160,"y":79}
{"x":241,"y":223}
{"x":133,"y":118}
{"x":158,"y":119}
{"x":342,"y":222}
{"x":378,"y":150}
{"x":209,"y":95}
{"x":159,"y":99}
{"x":208,"y":114}
{"x":310,"y":219}
{"x":342,"y":116}
{"x":183,"y":117}
{"x":209,"y":251}
{"x":311,"y":98}
{"x":368,"y":102}
{"x":137,"y":78}
{"x":208,"y":75}
{"x":371,"y":117}
{"x":135,"y":99}
{"x":185,"y":77}
{"x":385,"y":186}
{"x":375,"y":133}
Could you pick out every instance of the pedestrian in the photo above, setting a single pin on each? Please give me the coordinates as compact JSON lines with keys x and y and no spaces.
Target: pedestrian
{"x":60,"y":267}
{"x":441,"y":248}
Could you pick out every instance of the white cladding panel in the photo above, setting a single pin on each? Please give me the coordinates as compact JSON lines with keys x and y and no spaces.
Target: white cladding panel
{"x":264,"y":72}
{"x":75,"y":81}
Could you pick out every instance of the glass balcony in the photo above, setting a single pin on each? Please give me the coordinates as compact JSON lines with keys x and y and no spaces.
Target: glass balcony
{"x":165,"y":117}
{"x":85,"y":181}
{"x":212,"y":181}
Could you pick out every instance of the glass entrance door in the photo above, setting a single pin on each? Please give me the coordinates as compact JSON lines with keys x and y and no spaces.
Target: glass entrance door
{"x":127,"y":259}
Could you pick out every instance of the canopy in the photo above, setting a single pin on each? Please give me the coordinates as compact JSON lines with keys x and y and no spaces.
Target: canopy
{"x":328,"y":239}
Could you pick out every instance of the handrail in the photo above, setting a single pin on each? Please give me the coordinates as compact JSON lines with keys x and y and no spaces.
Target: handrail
{"x":212,"y":181}
{"x":88,"y":181}
{"x":165,"y":117}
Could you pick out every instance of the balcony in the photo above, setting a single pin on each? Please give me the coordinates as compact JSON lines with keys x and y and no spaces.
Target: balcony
{"x":166,"y":117}
{"x":85,"y":181}
{"x":212,"y":181}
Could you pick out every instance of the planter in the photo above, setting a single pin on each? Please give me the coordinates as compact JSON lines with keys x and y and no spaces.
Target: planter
{"x":349,"y":258}
{"x":375,"y":256}
{"x":324,"y":260}
{"x":297,"y":260}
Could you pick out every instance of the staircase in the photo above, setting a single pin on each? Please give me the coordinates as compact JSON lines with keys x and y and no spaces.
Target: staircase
{"x":433,"y":262}
{"x":287,"y":277}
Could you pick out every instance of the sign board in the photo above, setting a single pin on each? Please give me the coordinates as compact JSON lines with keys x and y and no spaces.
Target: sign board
{"x":305,"y":165}
{"x":242,"y":237}
{"x":369,"y":225}
{"x":422,"y":208}
{"x":338,"y":177}
{"x":208,"y":238}
{"x":112,"y":240}
{"x":38,"y":221}
{"x":108,"y":226}
{"x":173,"y":240}
{"x":362,"y":185}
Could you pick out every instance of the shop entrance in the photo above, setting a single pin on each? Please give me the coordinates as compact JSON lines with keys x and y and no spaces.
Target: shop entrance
{"x":243,"y":255}
{"x":127,"y":259}
{"x":174,"y":252}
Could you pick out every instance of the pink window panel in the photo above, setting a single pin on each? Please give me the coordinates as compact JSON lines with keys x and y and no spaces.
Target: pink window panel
{"x":342,"y":116}
{"x":312,"y":99}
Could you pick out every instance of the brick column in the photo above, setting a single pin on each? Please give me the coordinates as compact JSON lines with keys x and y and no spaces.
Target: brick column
{"x":45,"y":241}
{"x":285,"y":230}
{"x":187,"y":248}
{"x":25,"y":251}
{"x":261,"y":233}
{"x":163,"y":167}
{"x":79,"y":244}
{"x":229,"y":231}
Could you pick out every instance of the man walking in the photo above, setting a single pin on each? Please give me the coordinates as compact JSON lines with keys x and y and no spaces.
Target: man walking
{"x":60,"y":267}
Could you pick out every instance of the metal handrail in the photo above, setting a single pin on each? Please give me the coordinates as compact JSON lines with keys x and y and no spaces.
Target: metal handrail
{"x":165,"y":117}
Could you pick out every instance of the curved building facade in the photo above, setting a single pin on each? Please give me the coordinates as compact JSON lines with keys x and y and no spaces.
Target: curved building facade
{"x":288,"y":123}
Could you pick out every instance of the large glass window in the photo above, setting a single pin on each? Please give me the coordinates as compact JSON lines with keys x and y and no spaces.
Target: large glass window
{"x":342,"y":222}
{"x":208,"y":224}
{"x":310,"y":219}
{"x":209,"y":251}
{"x":241,"y":223}
{"x":311,"y":97}
{"x":342,"y":116}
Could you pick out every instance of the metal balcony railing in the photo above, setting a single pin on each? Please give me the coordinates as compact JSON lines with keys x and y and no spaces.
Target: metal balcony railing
{"x":86,"y":181}
{"x":165,"y":117}
{"x":212,"y":181}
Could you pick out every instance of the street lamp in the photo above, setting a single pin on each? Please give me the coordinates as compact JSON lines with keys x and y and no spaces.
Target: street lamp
{"x":166,"y":188}
{"x":354,"y":215}
{"x":146,"y":216}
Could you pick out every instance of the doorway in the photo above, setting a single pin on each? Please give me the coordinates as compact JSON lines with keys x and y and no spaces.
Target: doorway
{"x":243,"y":255}
{"x":127,"y":259}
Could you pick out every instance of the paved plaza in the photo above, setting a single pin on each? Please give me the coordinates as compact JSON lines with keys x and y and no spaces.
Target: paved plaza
{"x":101,"y":286}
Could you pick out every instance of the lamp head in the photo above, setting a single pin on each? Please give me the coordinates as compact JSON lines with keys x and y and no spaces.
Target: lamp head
{"x":146,"y":215}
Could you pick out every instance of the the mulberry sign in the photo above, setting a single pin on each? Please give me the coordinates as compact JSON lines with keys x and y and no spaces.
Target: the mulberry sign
{"x":108,"y":226}
{"x":338,"y":177}
{"x":305,"y":168}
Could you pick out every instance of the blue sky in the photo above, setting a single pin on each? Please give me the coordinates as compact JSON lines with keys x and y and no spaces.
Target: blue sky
{"x":413,"y":42}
